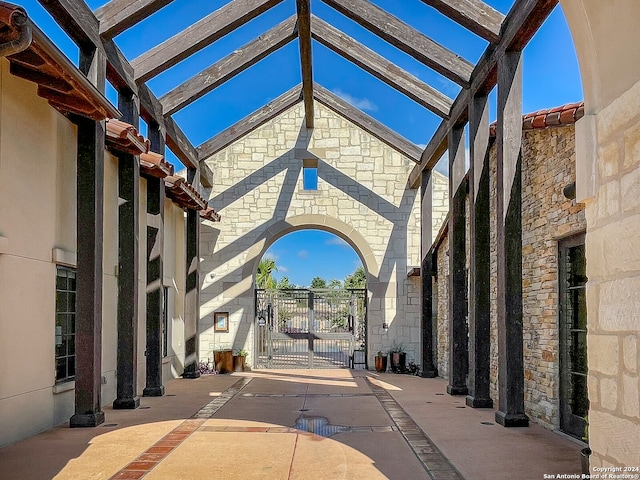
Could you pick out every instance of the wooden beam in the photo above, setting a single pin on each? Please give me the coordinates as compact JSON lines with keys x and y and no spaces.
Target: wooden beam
{"x":364,"y":121}
{"x":304,"y":37}
{"x":458,"y":350}
{"x":474,"y":15}
{"x":250,"y":123}
{"x":380,"y":67}
{"x":429,"y":366}
{"x":118,"y":15}
{"x":225,"y":69}
{"x":198,"y":36}
{"x":511,"y":409}
{"x":406,"y":38}
{"x":77,"y":20}
{"x":479,"y":257}
{"x":520,"y":25}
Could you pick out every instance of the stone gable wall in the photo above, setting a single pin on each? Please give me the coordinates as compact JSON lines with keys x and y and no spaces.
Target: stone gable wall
{"x":361,"y":196}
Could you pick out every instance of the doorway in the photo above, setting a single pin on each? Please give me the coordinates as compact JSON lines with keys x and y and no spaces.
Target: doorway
{"x":574,"y":402}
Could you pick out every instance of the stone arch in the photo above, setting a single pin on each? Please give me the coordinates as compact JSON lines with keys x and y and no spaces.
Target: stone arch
{"x":606,"y":36}
{"x":312,"y":221}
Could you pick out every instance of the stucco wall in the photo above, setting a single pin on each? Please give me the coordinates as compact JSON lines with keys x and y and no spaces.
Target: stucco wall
{"x":361,"y":197}
{"x":32,"y":224}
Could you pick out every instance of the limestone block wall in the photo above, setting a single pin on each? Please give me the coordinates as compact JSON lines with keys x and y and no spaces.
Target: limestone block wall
{"x":361,"y":197}
{"x":547,"y":216}
{"x":548,"y":165}
{"x":613,"y":269}
{"x":443,"y":308}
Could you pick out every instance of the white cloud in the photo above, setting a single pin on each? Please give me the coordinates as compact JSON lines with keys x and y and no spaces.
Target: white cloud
{"x":303,"y":254}
{"x":272,"y":255}
{"x":361,"y":103}
{"x":282,"y":269}
{"x":337,"y":241}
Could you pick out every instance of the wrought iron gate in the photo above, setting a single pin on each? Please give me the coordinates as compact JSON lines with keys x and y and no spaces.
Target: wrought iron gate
{"x":311,"y":328}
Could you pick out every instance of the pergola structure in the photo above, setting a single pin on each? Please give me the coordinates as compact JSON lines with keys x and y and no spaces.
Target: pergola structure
{"x":101,"y":60}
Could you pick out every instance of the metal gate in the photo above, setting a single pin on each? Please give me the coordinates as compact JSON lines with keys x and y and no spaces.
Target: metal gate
{"x":311,"y":328}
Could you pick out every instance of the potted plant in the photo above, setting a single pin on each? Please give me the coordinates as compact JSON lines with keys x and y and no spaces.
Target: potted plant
{"x":223,"y":359}
{"x":240,"y":360}
{"x":398,"y":358}
{"x":381,"y":362}
{"x":585,"y":452}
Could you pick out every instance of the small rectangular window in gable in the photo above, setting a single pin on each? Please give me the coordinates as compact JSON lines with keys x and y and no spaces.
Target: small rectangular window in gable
{"x":310,"y":174}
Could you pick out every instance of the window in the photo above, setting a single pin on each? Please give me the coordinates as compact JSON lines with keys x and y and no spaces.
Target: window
{"x":65,"y":333}
{"x":310,"y":174}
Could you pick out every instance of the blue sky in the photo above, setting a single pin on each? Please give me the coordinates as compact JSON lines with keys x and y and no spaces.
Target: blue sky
{"x":551,"y":78}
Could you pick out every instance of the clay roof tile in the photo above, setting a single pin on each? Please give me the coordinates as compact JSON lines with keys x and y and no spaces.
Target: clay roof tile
{"x":123,"y":137}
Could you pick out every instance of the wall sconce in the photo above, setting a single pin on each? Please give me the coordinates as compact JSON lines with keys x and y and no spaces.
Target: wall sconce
{"x":385,"y":327}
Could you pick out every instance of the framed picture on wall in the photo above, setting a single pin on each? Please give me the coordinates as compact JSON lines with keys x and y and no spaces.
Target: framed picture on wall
{"x":221,"y":322}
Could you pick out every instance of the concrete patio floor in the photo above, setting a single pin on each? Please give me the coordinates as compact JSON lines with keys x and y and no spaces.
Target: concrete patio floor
{"x":296,"y":424}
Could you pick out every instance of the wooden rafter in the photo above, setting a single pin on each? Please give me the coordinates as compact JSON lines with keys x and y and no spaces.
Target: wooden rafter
{"x":118,"y":15}
{"x":520,"y":25}
{"x":304,"y":37}
{"x":381,"y":68}
{"x":474,"y":15}
{"x":367,"y":123}
{"x":77,"y":20}
{"x":250,"y":123}
{"x":227,"y":68}
{"x":198,"y":36}
{"x":406,"y":38}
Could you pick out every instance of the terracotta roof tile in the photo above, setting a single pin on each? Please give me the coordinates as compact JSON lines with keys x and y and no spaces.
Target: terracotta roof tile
{"x":123,"y":137}
{"x":210,"y":214}
{"x":183,"y":194}
{"x":40,"y":61}
{"x":154,"y":165}
{"x":563,"y":115}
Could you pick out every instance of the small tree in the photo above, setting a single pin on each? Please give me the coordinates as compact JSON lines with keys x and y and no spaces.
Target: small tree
{"x":318,"y":282}
{"x":358,"y":279}
{"x":285,"y":284}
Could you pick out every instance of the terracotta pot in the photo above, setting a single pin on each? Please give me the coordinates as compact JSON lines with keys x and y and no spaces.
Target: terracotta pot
{"x":224,"y":361}
{"x":239,"y":363}
{"x":381,"y":363}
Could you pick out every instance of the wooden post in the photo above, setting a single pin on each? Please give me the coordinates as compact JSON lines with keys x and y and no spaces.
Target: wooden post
{"x":90,"y":210}
{"x":458,"y":339}
{"x":429,"y":369}
{"x":509,"y":243}
{"x":155,"y":249}
{"x":192,"y":296}
{"x":479,"y":265}
{"x":128,"y":254}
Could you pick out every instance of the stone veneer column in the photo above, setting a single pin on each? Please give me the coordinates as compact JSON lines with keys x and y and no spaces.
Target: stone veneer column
{"x":509,"y":243}
{"x":128,"y":253}
{"x":192,"y":297}
{"x":90,"y":213}
{"x":458,"y":344}
{"x":479,"y":265}
{"x":155,"y":250}
{"x":426,"y":217}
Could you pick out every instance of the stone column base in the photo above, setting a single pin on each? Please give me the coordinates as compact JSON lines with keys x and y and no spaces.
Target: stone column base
{"x":153,"y":391}
{"x":457,"y":390}
{"x":512,"y":419}
{"x":86,"y":420}
{"x":126,"y":403}
{"x":479,"y":402}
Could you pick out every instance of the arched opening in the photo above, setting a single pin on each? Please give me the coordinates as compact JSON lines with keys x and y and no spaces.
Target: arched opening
{"x":310,"y":303}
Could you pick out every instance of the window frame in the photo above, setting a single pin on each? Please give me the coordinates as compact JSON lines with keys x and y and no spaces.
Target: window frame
{"x":65,"y":330}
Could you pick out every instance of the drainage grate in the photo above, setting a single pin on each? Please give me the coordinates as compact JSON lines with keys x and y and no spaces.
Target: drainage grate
{"x":487,"y":423}
{"x":110,"y":425}
{"x":144,"y":407}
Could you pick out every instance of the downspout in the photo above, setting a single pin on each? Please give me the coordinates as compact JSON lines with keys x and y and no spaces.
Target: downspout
{"x":20,"y":22}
